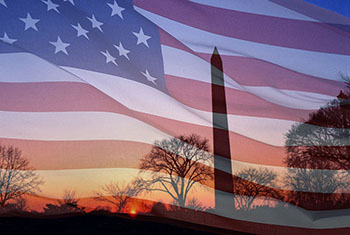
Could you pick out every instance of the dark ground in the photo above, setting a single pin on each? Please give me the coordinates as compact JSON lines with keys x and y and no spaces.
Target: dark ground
{"x":101,"y":224}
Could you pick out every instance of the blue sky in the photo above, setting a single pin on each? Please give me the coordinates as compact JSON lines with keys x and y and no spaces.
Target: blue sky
{"x":339,"y":6}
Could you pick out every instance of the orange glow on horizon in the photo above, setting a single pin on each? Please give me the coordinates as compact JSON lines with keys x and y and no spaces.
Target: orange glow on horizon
{"x":133,"y":213}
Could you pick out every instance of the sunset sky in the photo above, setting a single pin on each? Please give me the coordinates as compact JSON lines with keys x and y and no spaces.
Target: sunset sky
{"x":84,"y":110}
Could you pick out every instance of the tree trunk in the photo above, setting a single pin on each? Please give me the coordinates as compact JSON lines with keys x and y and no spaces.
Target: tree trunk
{"x":181,"y":202}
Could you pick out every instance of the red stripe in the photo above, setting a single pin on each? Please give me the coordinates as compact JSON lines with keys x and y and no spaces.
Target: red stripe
{"x":314,"y":201}
{"x":71,"y":96}
{"x":54,"y":96}
{"x":244,"y":149}
{"x":255,"y":72}
{"x":196,"y":94}
{"x":54,"y":155}
{"x":304,"y":35}
{"x":58,"y":155}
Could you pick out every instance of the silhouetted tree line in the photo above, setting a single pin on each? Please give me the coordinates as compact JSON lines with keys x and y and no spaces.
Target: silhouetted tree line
{"x":318,"y":160}
{"x":68,"y":204}
{"x":321,"y":142}
{"x":251,"y":184}
{"x":17,"y":179}
{"x":176,"y":165}
{"x":317,"y":157}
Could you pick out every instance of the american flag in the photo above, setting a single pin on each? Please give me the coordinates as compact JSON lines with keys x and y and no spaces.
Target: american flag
{"x":87,"y":86}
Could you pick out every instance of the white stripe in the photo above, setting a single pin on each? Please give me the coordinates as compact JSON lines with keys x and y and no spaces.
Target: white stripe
{"x":146,"y":99}
{"x":186,"y":65}
{"x":260,"y":7}
{"x":88,"y":181}
{"x":324,"y":65}
{"x":25,"y":67}
{"x":33,"y":69}
{"x":281,"y":172}
{"x":151,"y":101}
{"x":287,"y":215}
{"x":112,"y":126}
{"x":76,"y":126}
{"x":143,"y":99}
{"x":67,"y":126}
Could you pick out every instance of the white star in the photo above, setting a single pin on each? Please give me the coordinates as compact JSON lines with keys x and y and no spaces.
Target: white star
{"x":95,"y":23}
{"x":60,"y":46}
{"x":149,"y":77}
{"x":116,"y":10}
{"x":6,"y":39}
{"x":51,"y":5}
{"x":30,"y":22}
{"x":71,"y":1}
{"x":141,"y":37}
{"x":109,"y":57}
{"x":81,"y":31}
{"x":122,"y":50}
{"x":2,"y":2}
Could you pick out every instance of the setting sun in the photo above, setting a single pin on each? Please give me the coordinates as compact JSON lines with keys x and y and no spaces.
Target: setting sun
{"x":133,"y":212}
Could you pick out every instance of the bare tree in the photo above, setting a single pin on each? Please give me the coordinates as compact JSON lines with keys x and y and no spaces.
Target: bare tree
{"x":17,"y":178}
{"x":68,"y":204}
{"x":21,"y":204}
{"x":70,"y":201}
{"x":17,"y":206}
{"x":120,"y":194}
{"x":251,"y":184}
{"x":69,"y":198}
{"x":320,"y":142}
{"x":195,"y":204}
{"x":176,"y":164}
{"x":313,"y":189}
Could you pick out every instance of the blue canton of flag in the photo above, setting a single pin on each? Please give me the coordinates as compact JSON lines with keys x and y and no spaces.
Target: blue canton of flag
{"x":103,"y":36}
